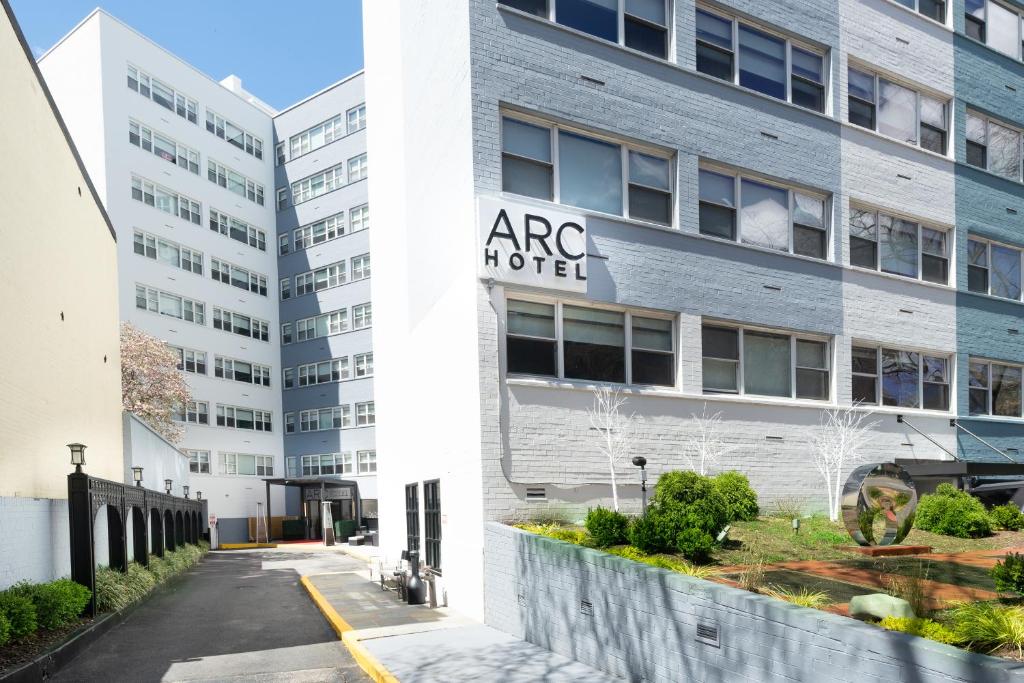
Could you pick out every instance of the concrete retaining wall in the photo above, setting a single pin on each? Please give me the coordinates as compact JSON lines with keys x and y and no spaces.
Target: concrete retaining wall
{"x":641,"y":624}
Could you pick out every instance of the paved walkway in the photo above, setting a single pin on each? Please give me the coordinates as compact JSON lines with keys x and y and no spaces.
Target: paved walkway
{"x":237,"y":616}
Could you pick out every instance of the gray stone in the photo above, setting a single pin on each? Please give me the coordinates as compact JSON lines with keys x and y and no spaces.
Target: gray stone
{"x":880,"y":606}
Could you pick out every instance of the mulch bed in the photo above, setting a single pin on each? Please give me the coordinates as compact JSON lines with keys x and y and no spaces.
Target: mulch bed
{"x":15,"y":654}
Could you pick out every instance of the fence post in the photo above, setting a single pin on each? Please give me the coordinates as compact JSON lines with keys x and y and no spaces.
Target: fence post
{"x":83,"y":565}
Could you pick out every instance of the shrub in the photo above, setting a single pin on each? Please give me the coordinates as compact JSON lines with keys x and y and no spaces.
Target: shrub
{"x":988,"y":626}
{"x":740,"y":499}
{"x":559,"y":533}
{"x":952,"y":512}
{"x":804,"y":597}
{"x":19,"y":611}
{"x":1007,"y":517}
{"x":5,"y":630}
{"x":661,"y":561}
{"x":1009,"y":573}
{"x":694,"y":543}
{"x":686,"y":515}
{"x":925,"y":628}
{"x":646,"y":533}
{"x":607,"y":527}
{"x":59,"y":603}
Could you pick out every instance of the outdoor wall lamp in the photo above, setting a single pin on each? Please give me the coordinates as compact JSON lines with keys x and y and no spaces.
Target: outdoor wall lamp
{"x":77,"y":455}
{"x":167,"y":486}
{"x":137,"y":475}
{"x":641,"y":462}
{"x":185,"y":489}
{"x":199,"y":495}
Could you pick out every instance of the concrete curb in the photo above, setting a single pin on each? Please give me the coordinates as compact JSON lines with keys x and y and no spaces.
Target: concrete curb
{"x":367,"y":662}
{"x":245,"y":546}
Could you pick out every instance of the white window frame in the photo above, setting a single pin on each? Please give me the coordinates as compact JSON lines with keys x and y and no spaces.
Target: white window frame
{"x":950,"y":359}
{"x":182,"y":105}
{"x":191,"y":357}
{"x":229,"y":464}
{"x":366,"y":415}
{"x":329,"y":130}
{"x":317,"y":185}
{"x":367,"y":462}
{"x":360,"y":264}
{"x":224,"y":368}
{"x":988,"y":387}
{"x":258,"y":329}
{"x":949,"y":231}
{"x":331,"y":228}
{"x":226,"y":225}
{"x":358,"y":218}
{"x":217,"y":125}
{"x":230,"y":179}
{"x":362,"y":365}
{"x":362,"y":316}
{"x":357,"y":168}
{"x":261,"y":419}
{"x":306,"y":328}
{"x":989,"y":121}
{"x":988,"y":255}
{"x":185,"y":207}
{"x":200,"y":460}
{"x":184,"y":156}
{"x":189,"y":259}
{"x":225,"y":272}
{"x":355,"y":118}
{"x":192,"y":311}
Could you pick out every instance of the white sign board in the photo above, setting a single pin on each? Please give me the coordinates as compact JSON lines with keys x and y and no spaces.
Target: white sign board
{"x":213,"y":520}
{"x":530,"y":245}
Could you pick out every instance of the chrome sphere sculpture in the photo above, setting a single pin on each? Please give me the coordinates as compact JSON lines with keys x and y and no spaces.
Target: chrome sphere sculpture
{"x":875,"y":497}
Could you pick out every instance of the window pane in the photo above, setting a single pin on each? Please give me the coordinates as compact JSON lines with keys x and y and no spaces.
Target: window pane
{"x":594,"y":344}
{"x":1003,"y":151}
{"x":714,"y":62}
{"x":714,"y":29}
{"x":865,"y":390}
{"x":766,"y":364}
{"x":645,"y":38}
{"x":530,"y":318}
{"x":1003,"y":29}
{"x":862,"y":224}
{"x":933,"y":112}
{"x":538,"y":7}
{"x":762,"y":61}
{"x":765,"y":215}
{"x":976,"y":129}
{"x":525,"y":140}
{"x":807,"y":65}
{"x":900,"y":378}
{"x":596,"y":17}
{"x":977,"y":266}
{"x":809,"y":242}
{"x":897,"y":111}
{"x":650,"y":171}
{"x":1006,"y":390}
{"x":526,"y":178}
{"x":811,"y":354}
{"x":532,"y":356}
{"x":1005,"y":272}
{"x":651,"y":205}
{"x":720,"y":343}
{"x":978,"y":389}
{"x":898,"y":246}
{"x":808,"y":210}
{"x":652,"y":333}
{"x":651,"y":10}
{"x":717,"y":188}
{"x":590,"y":173}
{"x":861,"y":85}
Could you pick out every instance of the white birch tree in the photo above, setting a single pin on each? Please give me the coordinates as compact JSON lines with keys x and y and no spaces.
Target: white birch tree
{"x":703,"y":445}
{"x":837,"y":444}
{"x":616,"y":431}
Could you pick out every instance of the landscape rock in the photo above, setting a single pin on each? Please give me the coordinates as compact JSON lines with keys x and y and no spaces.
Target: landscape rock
{"x":879,"y":606}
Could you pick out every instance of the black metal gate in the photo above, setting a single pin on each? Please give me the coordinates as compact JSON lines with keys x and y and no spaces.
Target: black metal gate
{"x":412,"y":517}
{"x":432,"y":522}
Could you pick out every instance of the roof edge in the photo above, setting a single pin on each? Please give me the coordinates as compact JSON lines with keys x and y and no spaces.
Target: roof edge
{"x":320,"y":92}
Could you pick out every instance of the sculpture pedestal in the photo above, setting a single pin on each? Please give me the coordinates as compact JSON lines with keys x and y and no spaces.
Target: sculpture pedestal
{"x":886,"y":550}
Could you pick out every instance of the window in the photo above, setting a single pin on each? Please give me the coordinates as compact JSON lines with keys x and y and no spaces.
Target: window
{"x":172,"y":305}
{"x":363,"y":363}
{"x":320,"y":279}
{"x":763,"y":363}
{"x":432,"y":523}
{"x":360,"y":267}
{"x":593,"y":343}
{"x":412,"y":517}
{"x":900,"y":378}
{"x":589,"y":171}
{"x":316,"y":185}
{"x":288,"y":378}
{"x":167,"y":252}
{"x":230,"y":274}
{"x":896,"y":111}
{"x":322,"y":325}
{"x":233,"y":133}
{"x":765,"y":62}
{"x":993,"y":269}
{"x":280,"y":154}
{"x":190,"y":360}
{"x":162,"y":94}
{"x":994,"y":24}
{"x":897,"y":246}
{"x":357,"y":168}
{"x":163,"y":147}
{"x":238,"y":230}
{"x":286,"y":333}
{"x":241,"y":371}
{"x":362,"y":316}
{"x":229,"y":321}
{"x":359,"y":218}
{"x":319,"y":232}
{"x":365,"y":415}
{"x":316,"y":465}
{"x":285,"y":286}
{"x":993,"y":146}
{"x":324,"y":372}
{"x":243,"y":418}
{"x":769,"y":215}
{"x":199,"y":462}
{"x":289,"y":423}
{"x":933,"y":9}
{"x":367,"y":461}
{"x":247,"y":464}
{"x":282,"y":244}
{"x":166,"y":200}
{"x":282,"y":198}
{"x":994,"y":389}
{"x":323,"y":419}
{"x":234,"y":181}
{"x":196,"y":412}
{"x":318,"y":136}
{"x":356,"y":118}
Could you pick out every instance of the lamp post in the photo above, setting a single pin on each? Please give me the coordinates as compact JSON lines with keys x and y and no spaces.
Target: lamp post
{"x":167,"y":486}
{"x":641,"y":462}
{"x":185,"y":490}
{"x":77,"y":456}
{"x":137,"y":475}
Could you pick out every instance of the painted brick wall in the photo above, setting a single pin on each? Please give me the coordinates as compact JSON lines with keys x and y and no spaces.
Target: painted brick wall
{"x":644,"y":620}
{"x":34,"y":545}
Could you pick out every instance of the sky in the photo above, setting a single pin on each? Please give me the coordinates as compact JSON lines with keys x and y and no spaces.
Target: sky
{"x":282,"y":51}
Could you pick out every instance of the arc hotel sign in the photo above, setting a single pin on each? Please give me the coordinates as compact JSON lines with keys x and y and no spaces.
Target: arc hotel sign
{"x":530,"y":245}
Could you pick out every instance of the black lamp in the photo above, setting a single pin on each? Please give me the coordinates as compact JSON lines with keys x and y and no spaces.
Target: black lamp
{"x":641,"y":462}
{"x":185,"y":490}
{"x":77,"y":455}
{"x":137,"y":475}
{"x":199,"y":495}
{"x":167,"y":486}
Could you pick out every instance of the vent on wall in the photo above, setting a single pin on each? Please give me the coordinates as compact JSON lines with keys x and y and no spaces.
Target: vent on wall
{"x":587,"y":608}
{"x":707,"y":633}
{"x":536,"y":493}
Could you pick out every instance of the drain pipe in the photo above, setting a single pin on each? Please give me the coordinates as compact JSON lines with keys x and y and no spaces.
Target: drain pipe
{"x":901,"y":420}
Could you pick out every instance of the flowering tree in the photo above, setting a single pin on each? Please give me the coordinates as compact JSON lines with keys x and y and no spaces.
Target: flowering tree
{"x":151,"y":386}
{"x":838,"y":443}
{"x":703,"y":446}
{"x":616,"y":431}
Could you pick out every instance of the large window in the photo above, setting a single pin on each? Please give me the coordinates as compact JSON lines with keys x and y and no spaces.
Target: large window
{"x":592,"y":344}
{"x":198,"y":462}
{"x":362,"y":316}
{"x":898,"y":246}
{"x":764,"y":214}
{"x":172,"y":305}
{"x":194,"y":412}
{"x":168,"y":252}
{"x":432,"y":523}
{"x":993,"y":269}
{"x":241,"y":371}
{"x":367,"y":461}
{"x":316,"y":185}
{"x":897,"y":111}
{"x":749,"y":56}
{"x":993,"y":146}
{"x":323,"y":419}
{"x":233,"y":133}
{"x":365,"y":415}
{"x":316,"y":233}
{"x":316,"y":465}
{"x":316,"y":137}
{"x":359,"y":218}
{"x":363,"y":364}
{"x":900,"y":378}
{"x":360,"y":267}
{"x":230,"y":274}
{"x":322,"y":325}
{"x":166,"y":200}
{"x":638,"y":24}
{"x":324,"y":372}
{"x":412,"y":516}
{"x":247,"y":464}
{"x":357,"y":168}
{"x":244,"y":325}
{"x":162,"y":94}
{"x":764,"y":363}
{"x":190,"y":360}
{"x":356,"y":117}
{"x":329,"y":276}
{"x":243,"y":418}
{"x":995,"y":24}
{"x":577,"y":169}
{"x":163,"y":147}
{"x":994,"y":389}
{"x":234,"y":181}
{"x":933,"y":9}
{"x":238,"y":230}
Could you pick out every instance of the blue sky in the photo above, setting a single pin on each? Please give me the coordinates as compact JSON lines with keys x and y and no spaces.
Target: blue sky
{"x":282,"y":51}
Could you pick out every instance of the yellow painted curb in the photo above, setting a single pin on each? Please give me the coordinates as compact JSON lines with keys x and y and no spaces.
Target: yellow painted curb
{"x":367,"y":662}
{"x":245,"y":546}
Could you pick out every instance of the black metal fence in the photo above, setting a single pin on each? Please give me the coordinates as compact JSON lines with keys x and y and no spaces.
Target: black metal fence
{"x":174,"y":521}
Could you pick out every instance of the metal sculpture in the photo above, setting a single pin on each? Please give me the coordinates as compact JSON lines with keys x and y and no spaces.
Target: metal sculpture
{"x":878,"y":504}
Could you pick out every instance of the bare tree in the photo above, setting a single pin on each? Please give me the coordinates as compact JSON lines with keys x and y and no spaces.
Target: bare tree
{"x":837,"y":444}
{"x":704,"y":446}
{"x":616,"y":430}
{"x":152,"y":387}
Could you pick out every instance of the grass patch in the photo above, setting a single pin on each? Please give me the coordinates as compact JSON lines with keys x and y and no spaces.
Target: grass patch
{"x":804,"y":597}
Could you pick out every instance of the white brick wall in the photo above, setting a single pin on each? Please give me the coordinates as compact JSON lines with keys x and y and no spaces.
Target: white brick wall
{"x":34,"y":544}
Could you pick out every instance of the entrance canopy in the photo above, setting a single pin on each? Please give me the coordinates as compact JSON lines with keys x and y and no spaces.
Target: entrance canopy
{"x":319,"y":489}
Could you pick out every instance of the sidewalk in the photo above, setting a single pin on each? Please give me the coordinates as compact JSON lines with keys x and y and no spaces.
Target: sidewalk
{"x":394,"y":641}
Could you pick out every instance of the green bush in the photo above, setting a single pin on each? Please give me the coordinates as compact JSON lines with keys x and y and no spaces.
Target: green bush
{"x":686,"y":515}
{"x":925,"y":628}
{"x":59,"y":603}
{"x":1009,"y":574}
{"x":5,"y":630}
{"x":607,"y":527}
{"x":1007,"y":517}
{"x":988,"y":626}
{"x":740,"y":499}
{"x":645,"y":533}
{"x":951,"y":512}
{"x":19,"y":611}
